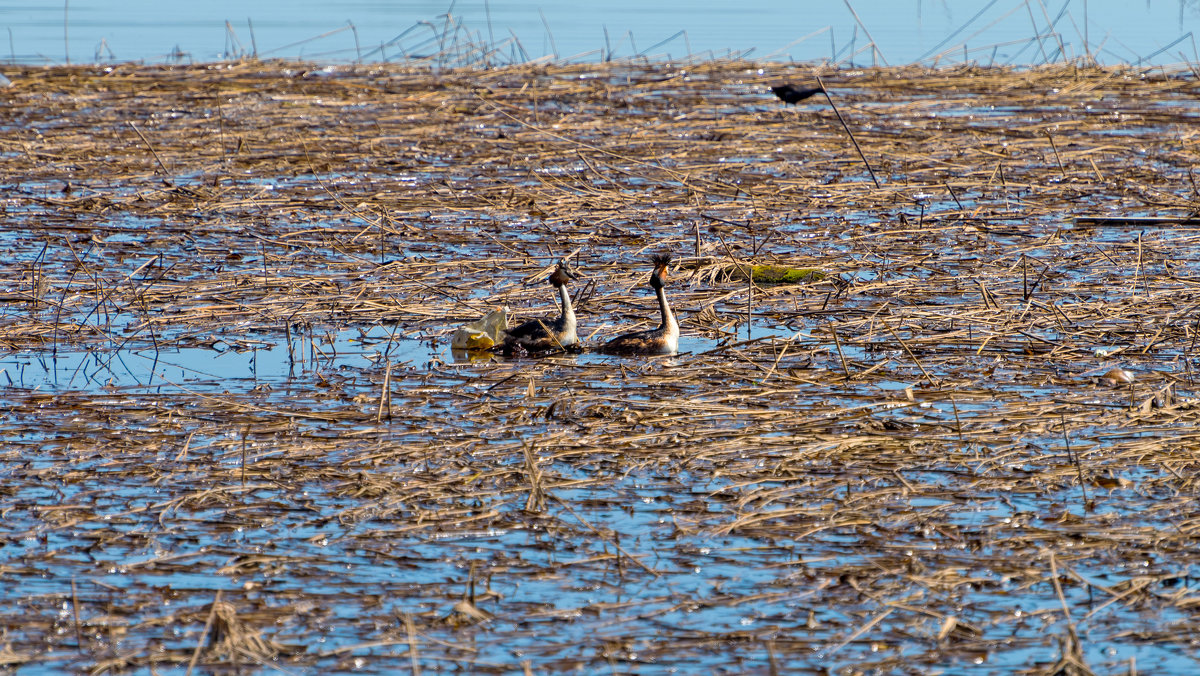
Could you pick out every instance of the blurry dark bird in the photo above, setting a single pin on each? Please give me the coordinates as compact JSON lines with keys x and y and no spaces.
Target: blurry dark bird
{"x":793,"y":94}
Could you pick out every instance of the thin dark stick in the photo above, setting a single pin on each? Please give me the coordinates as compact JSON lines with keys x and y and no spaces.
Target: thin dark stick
{"x":749,"y":303}
{"x":1004,"y":183}
{"x":960,"y":206}
{"x":1062,"y":170}
{"x":75,"y":611}
{"x":1141,"y":269}
{"x":848,"y":132}
{"x":838,"y":343}
{"x":385,"y":397}
{"x":1024,"y":277}
{"x":287,"y":327}
{"x":221,"y":130}
{"x":243,"y":459}
{"x":958,"y":423}
{"x":266,"y":275}
{"x":357,"y":49}
{"x":152,"y":150}
{"x":1074,"y":459}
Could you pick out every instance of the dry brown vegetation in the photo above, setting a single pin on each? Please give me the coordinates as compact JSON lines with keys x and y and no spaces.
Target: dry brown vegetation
{"x":921,"y":461}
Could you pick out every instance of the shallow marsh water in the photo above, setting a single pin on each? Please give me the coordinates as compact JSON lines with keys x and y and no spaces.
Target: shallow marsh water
{"x":226,"y":370}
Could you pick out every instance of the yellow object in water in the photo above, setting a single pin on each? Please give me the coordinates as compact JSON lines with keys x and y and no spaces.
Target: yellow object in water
{"x":775,"y":274}
{"x":482,"y":334}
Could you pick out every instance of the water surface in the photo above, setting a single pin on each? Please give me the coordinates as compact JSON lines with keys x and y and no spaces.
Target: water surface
{"x":1001,"y":31}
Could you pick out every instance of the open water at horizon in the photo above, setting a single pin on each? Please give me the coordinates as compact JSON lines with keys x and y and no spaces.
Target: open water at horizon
{"x":1019,"y":32}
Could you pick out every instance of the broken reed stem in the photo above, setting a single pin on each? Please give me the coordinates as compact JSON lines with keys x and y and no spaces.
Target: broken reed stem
{"x":385,"y":394}
{"x":470,"y":591}
{"x":861,"y":630}
{"x":1062,"y":598}
{"x":961,"y":208}
{"x":1074,"y":458}
{"x":749,"y":273}
{"x":958,"y":424}
{"x":875,"y":53}
{"x":312,"y":347}
{"x":1004,"y":185}
{"x":262,"y":246}
{"x":1072,"y":651}
{"x":75,"y":612}
{"x":37,"y":274}
{"x":244,"y":433}
{"x":1141,"y":270}
{"x":778,"y":357}
{"x":598,"y":534}
{"x":912,"y":356}
{"x":983,"y":293}
{"x":848,"y":132}
{"x":536,"y":500}
{"x":1053,"y":147}
{"x":1024,"y":277}
{"x":186,"y":444}
{"x":411,"y":629}
{"x":838,"y":343}
{"x":221,"y":130}
{"x":750,"y":304}
{"x":287,"y":329}
{"x":154,"y":152}
{"x":212,"y":614}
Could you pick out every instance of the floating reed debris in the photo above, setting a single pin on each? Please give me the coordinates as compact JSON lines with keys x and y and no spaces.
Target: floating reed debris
{"x":237,"y":437}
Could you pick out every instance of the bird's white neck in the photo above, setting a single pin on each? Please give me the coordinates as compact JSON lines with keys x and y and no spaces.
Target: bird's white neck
{"x":670,"y":327}
{"x":568,"y":312}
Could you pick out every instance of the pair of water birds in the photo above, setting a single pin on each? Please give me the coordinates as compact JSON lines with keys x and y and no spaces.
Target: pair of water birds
{"x":544,"y":335}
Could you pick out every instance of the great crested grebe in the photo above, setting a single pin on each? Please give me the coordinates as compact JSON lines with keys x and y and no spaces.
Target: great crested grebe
{"x":664,"y":339}
{"x":545,"y":335}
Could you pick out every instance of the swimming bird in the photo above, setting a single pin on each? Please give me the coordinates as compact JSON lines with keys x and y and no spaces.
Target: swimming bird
{"x":664,"y":339}
{"x":543,"y":334}
{"x":793,"y":94}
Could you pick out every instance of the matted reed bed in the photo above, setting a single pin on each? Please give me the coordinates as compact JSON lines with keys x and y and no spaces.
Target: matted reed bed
{"x":236,"y":439}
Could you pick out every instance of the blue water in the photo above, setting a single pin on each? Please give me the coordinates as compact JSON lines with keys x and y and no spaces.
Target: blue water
{"x":926,"y":31}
